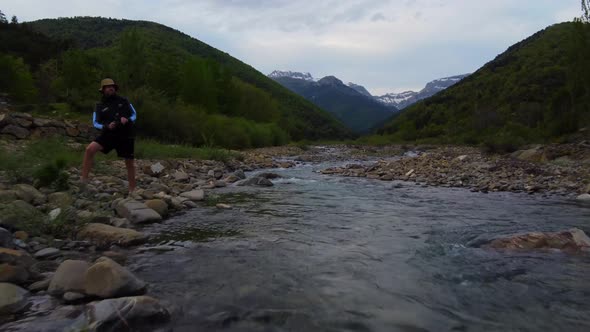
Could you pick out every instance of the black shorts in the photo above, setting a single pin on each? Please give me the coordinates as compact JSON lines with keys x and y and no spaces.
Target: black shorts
{"x":125,"y":146}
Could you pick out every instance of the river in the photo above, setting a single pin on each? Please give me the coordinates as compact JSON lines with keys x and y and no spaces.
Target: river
{"x":325,"y":253}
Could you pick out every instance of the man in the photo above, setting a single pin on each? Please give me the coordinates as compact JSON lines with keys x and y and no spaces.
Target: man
{"x":115,"y":117}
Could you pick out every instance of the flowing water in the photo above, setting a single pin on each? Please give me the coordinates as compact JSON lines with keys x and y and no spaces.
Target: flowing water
{"x":324,"y":253}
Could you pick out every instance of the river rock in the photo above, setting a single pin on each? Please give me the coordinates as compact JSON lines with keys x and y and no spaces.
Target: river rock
{"x":536,"y":154}
{"x":106,"y":235}
{"x":7,"y":196}
{"x":53,"y":214}
{"x":240,"y":174}
{"x":107,"y":279}
{"x":256,"y":181}
{"x":269,"y":176}
{"x":69,"y":277}
{"x":12,"y":298}
{"x":194,"y":195}
{"x":47,"y":253}
{"x":29,"y":194}
{"x":15,"y":131}
{"x":570,"y":240}
{"x":180,"y":176}
{"x":40,"y":285}
{"x":158,"y":205}
{"x":154,"y":170}
{"x":583,"y":198}
{"x":60,"y":200}
{"x":15,"y":274}
{"x":137,"y":212}
{"x":138,"y":313}
{"x":21,"y":235}
{"x":70,"y":297}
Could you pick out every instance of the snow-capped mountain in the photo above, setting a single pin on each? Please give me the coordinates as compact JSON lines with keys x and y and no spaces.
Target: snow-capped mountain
{"x":350,"y":103}
{"x":407,"y":98}
{"x":291,"y":74}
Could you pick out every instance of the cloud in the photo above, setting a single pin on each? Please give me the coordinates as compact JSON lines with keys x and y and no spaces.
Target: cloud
{"x":382,"y":44}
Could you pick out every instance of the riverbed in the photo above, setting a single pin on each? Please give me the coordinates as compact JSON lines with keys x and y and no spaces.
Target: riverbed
{"x":326,"y":253}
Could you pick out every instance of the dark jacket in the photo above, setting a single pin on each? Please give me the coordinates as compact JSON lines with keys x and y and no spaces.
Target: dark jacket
{"x":112,"y":109}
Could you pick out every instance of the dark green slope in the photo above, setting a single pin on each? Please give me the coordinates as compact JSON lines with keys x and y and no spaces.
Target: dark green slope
{"x":298,"y":117}
{"x":357,"y":111}
{"x":538,"y":90}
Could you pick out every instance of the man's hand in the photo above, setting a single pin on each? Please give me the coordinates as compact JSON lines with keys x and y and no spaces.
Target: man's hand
{"x":112,"y":125}
{"x":124,"y":120}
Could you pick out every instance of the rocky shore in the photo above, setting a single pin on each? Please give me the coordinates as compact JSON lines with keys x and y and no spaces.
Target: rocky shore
{"x":554,"y":169}
{"x":63,"y":253}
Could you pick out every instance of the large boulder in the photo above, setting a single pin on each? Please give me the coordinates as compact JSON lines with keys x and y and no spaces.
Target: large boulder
{"x":29,"y":194}
{"x":15,"y":274}
{"x":137,"y":212}
{"x":106,"y":235}
{"x":18,"y":214}
{"x":69,"y":277}
{"x":12,"y":298}
{"x":107,"y":279}
{"x":535,"y":154}
{"x":194,"y":195}
{"x":570,"y":240}
{"x":138,"y":312}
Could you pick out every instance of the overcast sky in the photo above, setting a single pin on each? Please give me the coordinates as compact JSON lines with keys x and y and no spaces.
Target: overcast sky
{"x":385,"y":45}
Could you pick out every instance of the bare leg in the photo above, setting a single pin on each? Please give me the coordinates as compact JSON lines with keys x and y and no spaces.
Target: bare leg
{"x":91,"y":150}
{"x":130,"y":164}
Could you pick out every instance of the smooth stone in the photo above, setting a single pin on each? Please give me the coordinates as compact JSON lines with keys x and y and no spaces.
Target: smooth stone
{"x":107,"y":279}
{"x":158,"y":205}
{"x":40,"y":285}
{"x":137,"y":212}
{"x":29,"y":194}
{"x":12,"y":298}
{"x":70,"y":297}
{"x":194,"y":195}
{"x":16,"y":274}
{"x":53,"y":214}
{"x":583,"y":198}
{"x":47,"y":253}
{"x":141,"y":312}
{"x":223,"y":206}
{"x":69,"y":277}
{"x":106,"y":235}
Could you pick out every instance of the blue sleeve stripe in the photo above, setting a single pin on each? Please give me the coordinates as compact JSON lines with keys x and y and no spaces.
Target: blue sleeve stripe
{"x":133,"y":113}
{"x":96,"y":124}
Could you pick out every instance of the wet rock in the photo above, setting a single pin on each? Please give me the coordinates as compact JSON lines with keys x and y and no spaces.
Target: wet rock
{"x":116,"y":256}
{"x":69,"y":277}
{"x":239,"y":174}
{"x":137,"y":212}
{"x":231,"y":179}
{"x":106,"y":235}
{"x":223,"y":206}
{"x":47,"y":253}
{"x":571,"y":240}
{"x":29,"y":194}
{"x":194,"y":195}
{"x":583,"y":198}
{"x":255,"y":181}
{"x":125,"y":313}
{"x":269,"y":176}
{"x":12,"y":298}
{"x":108,"y":279}
{"x":158,"y":205}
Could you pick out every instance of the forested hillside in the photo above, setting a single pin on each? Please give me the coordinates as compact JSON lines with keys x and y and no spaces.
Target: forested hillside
{"x":184,"y":90}
{"x":538,"y":90}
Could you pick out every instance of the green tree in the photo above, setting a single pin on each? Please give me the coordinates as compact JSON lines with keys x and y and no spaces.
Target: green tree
{"x":198,"y":83}
{"x":16,"y":79}
{"x":132,"y":59}
{"x":14,"y":20}
{"x":3,"y":18}
{"x":586,"y":10}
